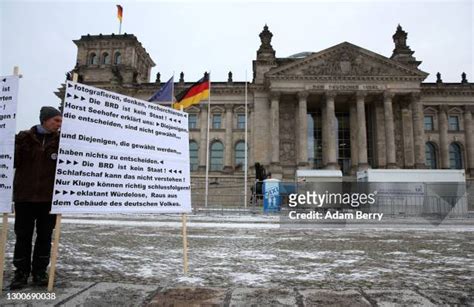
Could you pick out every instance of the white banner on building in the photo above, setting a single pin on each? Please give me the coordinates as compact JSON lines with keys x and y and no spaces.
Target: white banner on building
{"x":8,"y":108}
{"x":121,"y":154}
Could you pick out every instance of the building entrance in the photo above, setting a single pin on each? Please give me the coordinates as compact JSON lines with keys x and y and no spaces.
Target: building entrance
{"x":315,"y":141}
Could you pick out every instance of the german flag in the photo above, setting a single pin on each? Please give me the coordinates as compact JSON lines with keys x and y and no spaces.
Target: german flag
{"x":194,"y":94}
{"x":119,"y":12}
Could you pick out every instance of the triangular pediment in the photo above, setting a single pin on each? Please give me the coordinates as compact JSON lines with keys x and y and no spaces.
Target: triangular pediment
{"x":345,"y":60}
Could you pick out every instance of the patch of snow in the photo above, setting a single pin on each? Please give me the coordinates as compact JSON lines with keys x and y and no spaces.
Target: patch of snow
{"x":426,"y":251}
{"x":251,"y":254}
{"x":195,"y":281}
{"x":248,"y":279}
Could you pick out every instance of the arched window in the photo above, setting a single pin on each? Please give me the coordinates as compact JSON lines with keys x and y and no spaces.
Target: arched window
{"x":430,"y":154}
{"x":217,"y":156}
{"x":193,"y":155}
{"x":117,"y":58}
{"x":93,"y":59}
{"x":455,"y":156}
{"x":105,"y":58}
{"x":240,"y":153}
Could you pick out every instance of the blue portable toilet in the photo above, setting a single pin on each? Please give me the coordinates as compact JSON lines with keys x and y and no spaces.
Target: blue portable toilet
{"x":271,"y":195}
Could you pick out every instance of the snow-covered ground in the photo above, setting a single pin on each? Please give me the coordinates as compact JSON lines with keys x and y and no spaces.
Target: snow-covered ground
{"x":254,"y":251}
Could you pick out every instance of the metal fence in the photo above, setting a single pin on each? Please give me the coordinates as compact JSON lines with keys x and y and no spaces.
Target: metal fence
{"x":231,"y":199}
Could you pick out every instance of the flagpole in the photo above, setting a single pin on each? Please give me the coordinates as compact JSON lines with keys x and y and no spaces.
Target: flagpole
{"x":207,"y":141}
{"x":246,"y":147}
{"x":120,"y":27}
{"x":172,"y":92}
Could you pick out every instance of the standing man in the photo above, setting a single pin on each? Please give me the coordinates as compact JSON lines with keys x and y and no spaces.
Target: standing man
{"x":36,"y":152}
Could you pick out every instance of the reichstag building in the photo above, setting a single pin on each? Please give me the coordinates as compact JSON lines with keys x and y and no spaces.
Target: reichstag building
{"x":343,"y":107}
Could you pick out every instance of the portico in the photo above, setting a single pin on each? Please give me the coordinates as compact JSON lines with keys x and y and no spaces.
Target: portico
{"x":330,"y":129}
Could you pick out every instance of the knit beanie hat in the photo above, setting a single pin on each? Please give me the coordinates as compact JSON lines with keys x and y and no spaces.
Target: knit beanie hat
{"x":47,"y":113}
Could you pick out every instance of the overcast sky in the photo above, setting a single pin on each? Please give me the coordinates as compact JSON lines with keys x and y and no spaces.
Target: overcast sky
{"x":220,"y":36}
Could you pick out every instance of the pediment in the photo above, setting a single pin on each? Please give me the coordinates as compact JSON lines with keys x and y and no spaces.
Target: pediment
{"x":430,"y":111}
{"x":455,"y":110}
{"x":239,"y":109}
{"x":217,"y":109}
{"x":345,"y":60}
{"x":193,"y":109}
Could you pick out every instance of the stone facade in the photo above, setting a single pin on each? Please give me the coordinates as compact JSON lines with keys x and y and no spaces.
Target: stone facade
{"x":344,"y":107}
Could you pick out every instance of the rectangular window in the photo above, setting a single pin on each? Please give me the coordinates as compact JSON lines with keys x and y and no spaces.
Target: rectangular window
{"x":453,"y":123}
{"x":192,"y":121}
{"x":193,"y":155}
{"x":216,"y":121}
{"x":429,"y":126}
{"x":240,"y":121}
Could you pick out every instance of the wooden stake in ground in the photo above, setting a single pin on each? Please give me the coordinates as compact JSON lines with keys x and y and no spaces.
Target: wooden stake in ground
{"x":185,"y":245}
{"x":3,"y":239}
{"x":185,"y":236}
{"x":54,"y":253}
{"x":2,"y":248}
{"x":57,"y":233}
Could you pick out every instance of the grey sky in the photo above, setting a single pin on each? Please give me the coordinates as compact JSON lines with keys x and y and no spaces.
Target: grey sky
{"x":220,"y":36}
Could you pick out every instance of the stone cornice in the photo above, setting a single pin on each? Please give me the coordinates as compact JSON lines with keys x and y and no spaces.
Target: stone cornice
{"x":447,"y":92}
{"x":227,"y":91}
{"x":344,"y":78}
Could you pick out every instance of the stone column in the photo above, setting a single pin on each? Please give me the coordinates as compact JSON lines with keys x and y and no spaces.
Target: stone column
{"x":250,"y":125}
{"x":443,"y":137}
{"x":354,"y":147}
{"x":418,"y":131}
{"x":331,"y":132}
{"x":469,"y":131}
{"x":381,"y":149}
{"x":408,"y":138}
{"x":203,"y":137}
{"x":389,"y":130}
{"x":228,"y":140}
{"x":275,"y":131}
{"x":361,"y":132}
{"x":324,"y":135}
{"x":303,"y":130}
{"x":261,"y":129}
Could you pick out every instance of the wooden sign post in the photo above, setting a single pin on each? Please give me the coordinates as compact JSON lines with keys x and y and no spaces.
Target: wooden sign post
{"x":185,"y":235}
{"x":57,"y":233}
{"x":54,"y":252}
{"x":3,"y":236}
{"x":2,"y":248}
{"x":185,"y":245}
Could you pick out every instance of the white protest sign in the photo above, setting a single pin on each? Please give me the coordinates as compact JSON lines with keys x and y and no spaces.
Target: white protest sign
{"x":121,"y":154}
{"x":8,"y":108}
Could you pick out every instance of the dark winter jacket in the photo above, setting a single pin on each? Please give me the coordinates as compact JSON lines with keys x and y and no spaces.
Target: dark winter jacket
{"x":35,"y":163}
